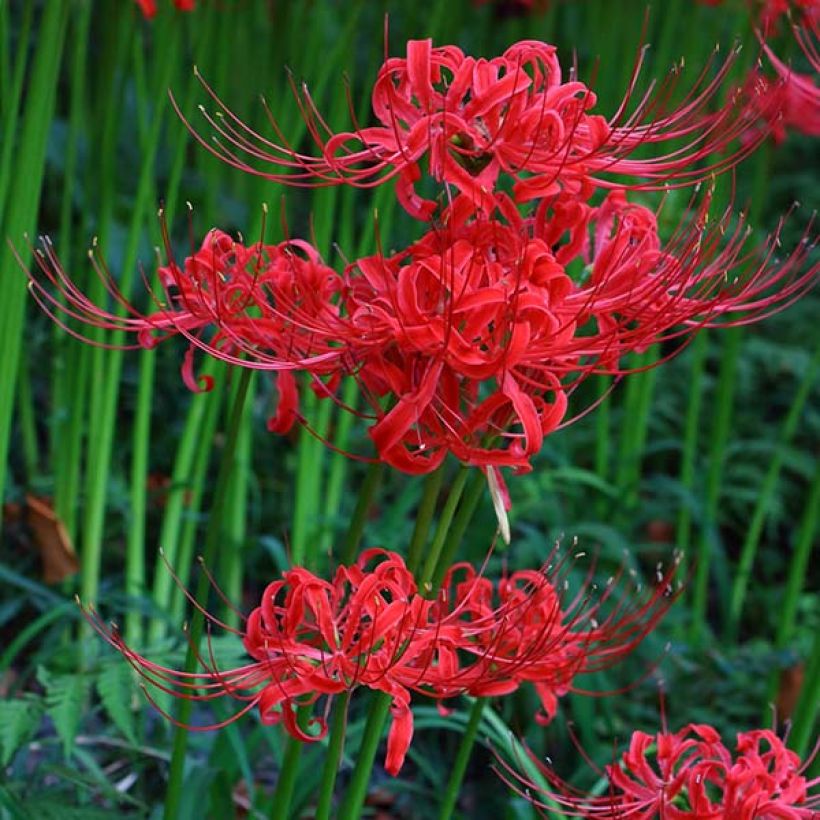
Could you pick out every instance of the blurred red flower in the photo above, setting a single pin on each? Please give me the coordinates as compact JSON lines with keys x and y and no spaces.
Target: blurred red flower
{"x":690,"y":775}
{"x":149,"y":7}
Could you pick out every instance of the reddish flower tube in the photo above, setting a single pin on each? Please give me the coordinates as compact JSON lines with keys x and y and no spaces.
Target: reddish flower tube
{"x":369,"y":627}
{"x":690,"y":775}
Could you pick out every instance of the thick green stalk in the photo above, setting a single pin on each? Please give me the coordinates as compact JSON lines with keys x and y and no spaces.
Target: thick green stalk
{"x":26,"y":421}
{"x":192,"y":442}
{"x":699,"y":347}
{"x":475,"y":489}
{"x":722,"y":417}
{"x":442,"y":530}
{"x":424,"y":516}
{"x":803,"y":734}
{"x":459,"y":765}
{"x":104,"y":419}
{"x":11,"y":107}
{"x":212,"y":542}
{"x":286,"y":782}
{"x":367,"y":494}
{"x":69,"y":394}
{"x":135,"y":547}
{"x":333,"y":758}
{"x":798,"y":567}
{"x":237,"y":515}
{"x":24,"y":192}
{"x":743,"y":571}
{"x":357,"y":789}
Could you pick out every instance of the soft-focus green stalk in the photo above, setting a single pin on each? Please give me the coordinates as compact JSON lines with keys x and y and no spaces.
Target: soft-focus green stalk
{"x":367,"y":495}
{"x":803,"y":734}
{"x":335,"y":746}
{"x":24,"y":192}
{"x":69,"y":393}
{"x":442,"y":530}
{"x":192,"y":442}
{"x":602,"y":438}
{"x":194,"y":488}
{"x":104,"y":409}
{"x":135,"y":546}
{"x":237,"y":515}
{"x":424,"y":515}
{"x":472,"y":495}
{"x":635,"y":427}
{"x":10,"y":106}
{"x":357,"y":789}
{"x":795,"y":581}
{"x":459,"y":765}
{"x":689,"y":450}
{"x":722,"y":418}
{"x":26,"y":420}
{"x":212,"y":543}
{"x":743,"y":571}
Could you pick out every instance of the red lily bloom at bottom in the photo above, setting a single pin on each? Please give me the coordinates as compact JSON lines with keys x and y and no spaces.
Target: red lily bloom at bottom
{"x":692,"y":775}
{"x":370,"y":627}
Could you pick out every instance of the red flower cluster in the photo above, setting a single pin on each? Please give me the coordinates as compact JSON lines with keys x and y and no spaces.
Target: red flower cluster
{"x":149,"y":7}
{"x":371,"y":627}
{"x":471,"y":120}
{"x":692,"y":775}
{"x":470,"y":340}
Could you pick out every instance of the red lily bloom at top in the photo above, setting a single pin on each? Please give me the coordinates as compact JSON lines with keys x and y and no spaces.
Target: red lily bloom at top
{"x":692,"y":775}
{"x":149,"y":7}
{"x":370,"y":627}
{"x":473,"y":119}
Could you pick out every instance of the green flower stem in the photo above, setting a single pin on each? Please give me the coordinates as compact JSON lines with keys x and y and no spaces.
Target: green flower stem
{"x":285,"y":784}
{"x":602,"y":440}
{"x":212,"y":543}
{"x":700,"y":348}
{"x":795,"y":582}
{"x":357,"y":789}
{"x":722,"y":415}
{"x":101,"y":444}
{"x":193,"y":441}
{"x":424,"y":516}
{"x":743,"y":571}
{"x":445,"y":541}
{"x":26,"y":421}
{"x":803,"y":734}
{"x":336,"y":739}
{"x":367,"y":494}
{"x":24,"y":191}
{"x":475,"y":490}
{"x":135,"y":547}
{"x":70,"y":371}
{"x":459,"y":766}
{"x":440,"y":538}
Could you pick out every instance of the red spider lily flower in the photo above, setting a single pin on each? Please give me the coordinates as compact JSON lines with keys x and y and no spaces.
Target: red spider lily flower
{"x":469,"y":341}
{"x":369,"y":627}
{"x":691,"y":775}
{"x":793,"y":99}
{"x":773,"y":10}
{"x":149,"y":7}
{"x":276,"y":301}
{"x":480,"y":334}
{"x":473,"y":119}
